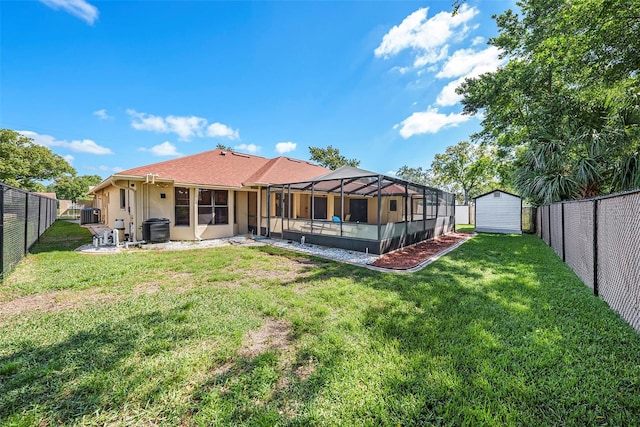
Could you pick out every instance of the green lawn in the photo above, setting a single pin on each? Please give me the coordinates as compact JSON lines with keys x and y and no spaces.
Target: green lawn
{"x":499,"y":332}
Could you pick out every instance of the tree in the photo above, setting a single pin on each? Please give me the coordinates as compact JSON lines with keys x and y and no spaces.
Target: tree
{"x":417,"y":175}
{"x":565,"y":108}
{"x":331,"y":158}
{"x":23,"y":163}
{"x":221,"y":146}
{"x":464,"y":167}
{"x":71,"y":187}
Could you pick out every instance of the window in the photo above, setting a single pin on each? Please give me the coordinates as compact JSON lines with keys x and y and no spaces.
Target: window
{"x":123,"y":199}
{"x":280,"y":205}
{"x":393,"y":205}
{"x":213,"y":207}
{"x":182,"y":206}
{"x":221,"y":207}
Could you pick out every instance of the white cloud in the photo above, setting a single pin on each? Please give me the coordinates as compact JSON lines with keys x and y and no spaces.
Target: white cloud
{"x":285,"y":147}
{"x":427,"y":37}
{"x":105,"y":168}
{"x":147,"y":122}
{"x":164,"y":149}
{"x":184,"y":127}
{"x":448,"y":95}
{"x":250,"y":148}
{"x":219,"y":130}
{"x":391,"y":173}
{"x":430,"y":121}
{"x":401,"y":70}
{"x":86,"y":146}
{"x":102,"y":114}
{"x":471,"y":63}
{"x":79,"y":146}
{"x":79,"y":8}
{"x":464,"y":64}
{"x":477,"y":40}
{"x":69,"y":158}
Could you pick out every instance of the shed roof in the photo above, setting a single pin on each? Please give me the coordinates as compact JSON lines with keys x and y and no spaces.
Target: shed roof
{"x":493,"y":191}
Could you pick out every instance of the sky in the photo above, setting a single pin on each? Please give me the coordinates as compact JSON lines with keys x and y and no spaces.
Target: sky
{"x":112,"y":85}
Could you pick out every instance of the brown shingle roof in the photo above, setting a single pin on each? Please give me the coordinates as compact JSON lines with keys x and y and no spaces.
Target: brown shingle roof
{"x":284,"y":169}
{"x":228,"y":169}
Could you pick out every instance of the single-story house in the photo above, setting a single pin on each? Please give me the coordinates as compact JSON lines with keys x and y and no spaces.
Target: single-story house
{"x":222,"y":193}
{"x":205,"y":196}
{"x":498,"y":212}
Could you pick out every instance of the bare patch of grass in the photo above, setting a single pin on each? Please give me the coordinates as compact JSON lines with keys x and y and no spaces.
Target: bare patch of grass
{"x":273,"y":335}
{"x":55,"y":302}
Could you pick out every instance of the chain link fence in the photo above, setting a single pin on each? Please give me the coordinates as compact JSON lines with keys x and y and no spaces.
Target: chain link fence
{"x":599,"y":239}
{"x":25,"y":216}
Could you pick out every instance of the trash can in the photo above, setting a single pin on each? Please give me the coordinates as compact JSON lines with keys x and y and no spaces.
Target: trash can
{"x":156,"y":230}
{"x":89,"y":216}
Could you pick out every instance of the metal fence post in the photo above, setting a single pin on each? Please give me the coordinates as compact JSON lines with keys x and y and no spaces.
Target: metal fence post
{"x":595,"y":247}
{"x":39,"y":213}
{"x":26,"y":224}
{"x":549,"y":223}
{"x":563,"y":233}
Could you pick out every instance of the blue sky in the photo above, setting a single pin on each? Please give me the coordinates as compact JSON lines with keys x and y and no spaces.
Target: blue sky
{"x":116,"y":84}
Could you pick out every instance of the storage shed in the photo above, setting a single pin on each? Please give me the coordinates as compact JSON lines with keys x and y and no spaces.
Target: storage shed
{"x":499,"y":212}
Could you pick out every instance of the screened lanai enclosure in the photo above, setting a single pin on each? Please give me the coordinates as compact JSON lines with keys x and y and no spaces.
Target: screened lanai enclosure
{"x":355,"y":209}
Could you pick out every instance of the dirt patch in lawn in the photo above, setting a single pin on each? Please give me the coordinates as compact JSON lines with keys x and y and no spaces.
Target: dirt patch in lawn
{"x":273,"y":335}
{"x":411,"y":256}
{"x":54,"y":301}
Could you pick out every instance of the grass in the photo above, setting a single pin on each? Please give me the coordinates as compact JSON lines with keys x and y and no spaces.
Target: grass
{"x":499,"y":332}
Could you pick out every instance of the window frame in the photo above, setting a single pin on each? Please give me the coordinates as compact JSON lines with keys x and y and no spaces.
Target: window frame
{"x":217,"y":208}
{"x":178,"y":222}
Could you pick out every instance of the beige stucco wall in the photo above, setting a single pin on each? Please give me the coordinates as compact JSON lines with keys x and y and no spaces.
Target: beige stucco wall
{"x":145,"y":201}
{"x":392,"y":216}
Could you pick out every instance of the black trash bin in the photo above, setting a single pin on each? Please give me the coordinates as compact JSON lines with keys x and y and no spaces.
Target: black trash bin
{"x":156,"y":230}
{"x":89,"y":216}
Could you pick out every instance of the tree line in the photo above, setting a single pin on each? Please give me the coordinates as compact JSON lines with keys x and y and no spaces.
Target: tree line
{"x":25,"y":164}
{"x":564,"y":112}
